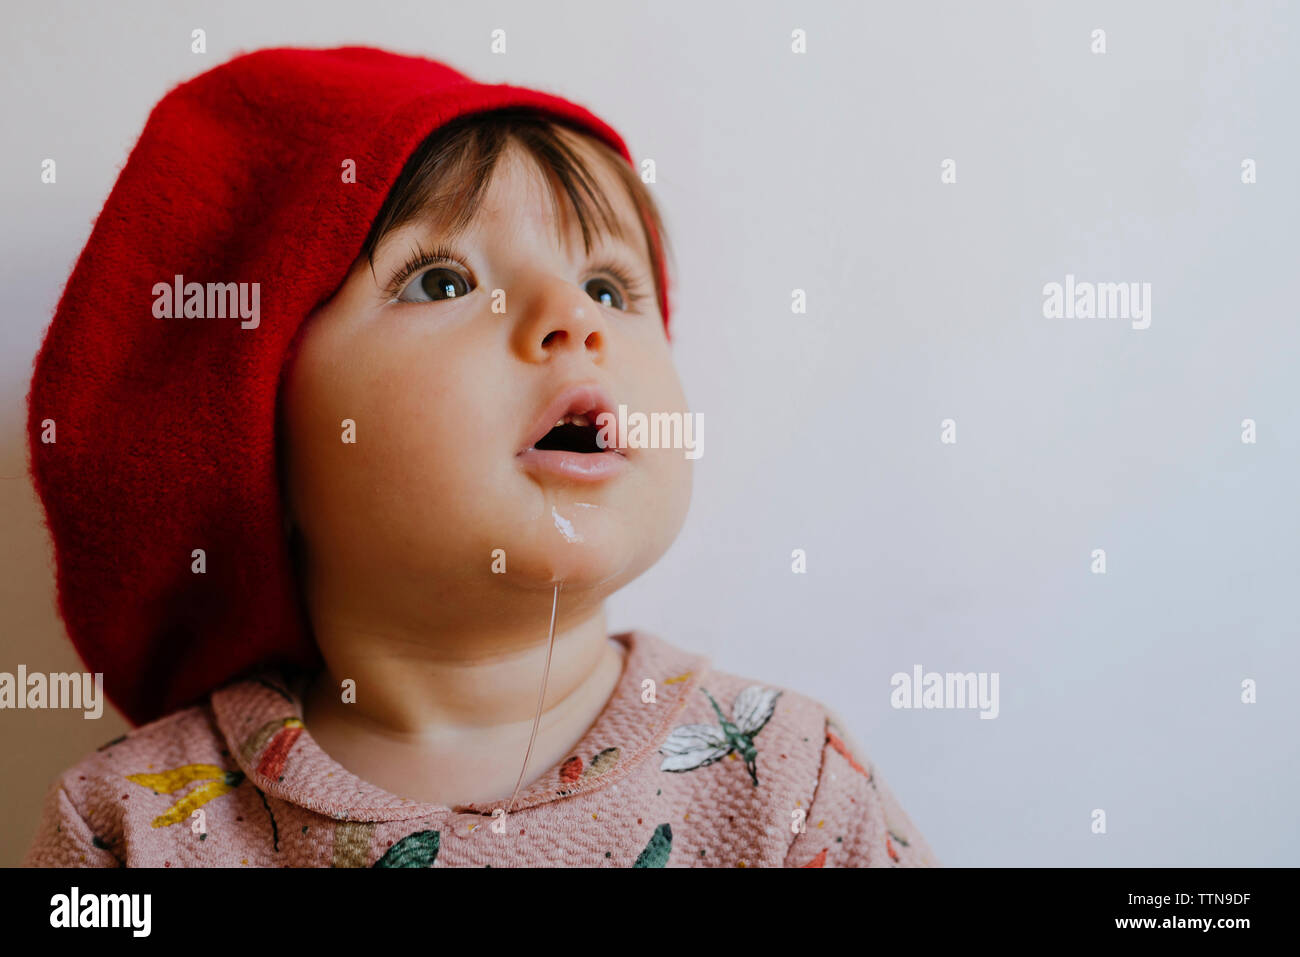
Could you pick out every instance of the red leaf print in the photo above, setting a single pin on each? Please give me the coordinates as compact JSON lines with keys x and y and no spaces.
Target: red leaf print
{"x":818,"y":861}
{"x":838,"y":745}
{"x":889,"y":846}
{"x":277,"y":752}
{"x":571,"y":770}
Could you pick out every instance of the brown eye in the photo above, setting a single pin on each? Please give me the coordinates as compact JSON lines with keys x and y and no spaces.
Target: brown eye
{"x":434,"y":285}
{"x":605,"y":293}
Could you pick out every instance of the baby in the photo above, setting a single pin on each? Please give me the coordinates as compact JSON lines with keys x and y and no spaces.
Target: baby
{"x":327,"y":430}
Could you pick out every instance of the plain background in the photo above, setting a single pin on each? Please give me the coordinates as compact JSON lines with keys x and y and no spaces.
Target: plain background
{"x":821,"y":172}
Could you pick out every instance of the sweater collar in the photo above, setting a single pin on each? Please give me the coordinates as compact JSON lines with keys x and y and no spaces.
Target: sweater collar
{"x":261,"y":719}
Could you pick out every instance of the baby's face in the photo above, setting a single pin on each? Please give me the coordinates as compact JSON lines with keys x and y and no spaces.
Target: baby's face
{"x":451,"y":375}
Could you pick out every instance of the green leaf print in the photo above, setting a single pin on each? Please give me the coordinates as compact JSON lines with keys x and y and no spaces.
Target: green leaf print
{"x":657,"y":850}
{"x":414,"y":850}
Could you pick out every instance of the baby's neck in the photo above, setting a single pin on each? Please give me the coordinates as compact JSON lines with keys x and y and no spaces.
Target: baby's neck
{"x":450,"y":727}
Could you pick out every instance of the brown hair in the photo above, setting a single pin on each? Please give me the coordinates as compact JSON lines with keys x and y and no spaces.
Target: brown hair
{"x":449,"y":171}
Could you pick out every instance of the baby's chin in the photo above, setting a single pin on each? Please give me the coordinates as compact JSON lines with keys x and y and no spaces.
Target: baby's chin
{"x":575,"y":545}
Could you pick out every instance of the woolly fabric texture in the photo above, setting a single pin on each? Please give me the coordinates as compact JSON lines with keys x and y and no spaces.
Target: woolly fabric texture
{"x":164,"y":427}
{"x":651,"y":784}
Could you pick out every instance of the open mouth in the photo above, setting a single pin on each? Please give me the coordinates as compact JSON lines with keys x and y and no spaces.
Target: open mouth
{"x":572,"y":433}
{"x":565,"y":441}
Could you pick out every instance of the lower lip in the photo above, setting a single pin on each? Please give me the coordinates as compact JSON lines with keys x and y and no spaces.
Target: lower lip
{"x":575,"y":466}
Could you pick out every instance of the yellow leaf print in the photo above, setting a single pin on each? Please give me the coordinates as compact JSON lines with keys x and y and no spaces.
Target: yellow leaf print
{"x":219,"y":782}
{"x":168,"y":781}
{"x":601,"y":763}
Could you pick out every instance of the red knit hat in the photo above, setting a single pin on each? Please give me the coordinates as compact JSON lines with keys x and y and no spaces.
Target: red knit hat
{"x":164,"y":429}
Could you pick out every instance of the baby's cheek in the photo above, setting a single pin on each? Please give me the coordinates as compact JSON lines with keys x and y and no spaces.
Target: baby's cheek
{"x":673,"y":482}
{"x":666,"y":496}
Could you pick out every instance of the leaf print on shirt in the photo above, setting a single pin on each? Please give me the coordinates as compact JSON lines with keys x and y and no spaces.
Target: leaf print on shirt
{"x":818,"y":861}
{"x":692,"y":746}
{"x":220,"y":781}
{"x":572,"y":771}
{"x":282,"y":733}
{"x":657,"y":848}
{"x":414,"y":850}
{"x":892,"y":831}
{"x":602,"y":762}
{"x":835,"y":742}
{"x":352,"y":843}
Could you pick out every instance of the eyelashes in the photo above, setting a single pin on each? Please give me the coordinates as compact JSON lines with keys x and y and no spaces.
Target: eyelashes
{"x":634,"y":291}
{"x":421,"y":258}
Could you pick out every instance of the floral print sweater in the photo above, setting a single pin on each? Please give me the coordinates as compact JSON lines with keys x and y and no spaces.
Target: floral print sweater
{"x":699,"y":769}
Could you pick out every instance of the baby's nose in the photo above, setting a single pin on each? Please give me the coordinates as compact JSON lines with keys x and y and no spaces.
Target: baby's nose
{"x":563,"y":319}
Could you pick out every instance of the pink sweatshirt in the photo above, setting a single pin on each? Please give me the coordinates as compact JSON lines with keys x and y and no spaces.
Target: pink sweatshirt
{"x":651,"y":784}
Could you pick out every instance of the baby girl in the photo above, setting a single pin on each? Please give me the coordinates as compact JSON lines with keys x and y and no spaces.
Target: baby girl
{"x":338,"y":519}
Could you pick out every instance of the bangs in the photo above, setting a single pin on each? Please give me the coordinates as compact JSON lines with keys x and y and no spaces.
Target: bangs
{"x":447,"y":174}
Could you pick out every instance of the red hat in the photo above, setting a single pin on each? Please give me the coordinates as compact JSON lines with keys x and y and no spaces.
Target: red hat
{"x":164,"y":429}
